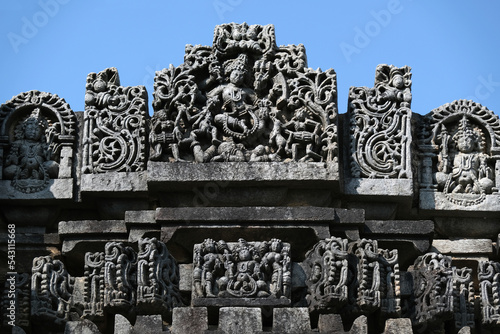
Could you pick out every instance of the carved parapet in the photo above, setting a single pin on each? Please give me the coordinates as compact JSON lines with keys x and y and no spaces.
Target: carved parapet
{"x":242,"y":273}
{"x":51,"y":292}
{"x":244,"y":100}
{"x":379,"y":131}
{"x":442,"y":293}
{"x":356,"y":278}
{"x":460,"y":146}
{"x":37,"y":142}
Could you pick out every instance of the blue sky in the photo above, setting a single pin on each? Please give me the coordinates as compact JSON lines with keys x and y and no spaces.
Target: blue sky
{"x":452,"y":46}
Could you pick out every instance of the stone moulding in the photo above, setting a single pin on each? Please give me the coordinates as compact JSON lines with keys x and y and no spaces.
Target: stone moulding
{"x":460,"y":147}
{"x":37,"y":142}
{"x":379,"y":131}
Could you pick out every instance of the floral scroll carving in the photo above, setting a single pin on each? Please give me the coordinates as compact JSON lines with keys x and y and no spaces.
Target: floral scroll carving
{"x":244,"y":99}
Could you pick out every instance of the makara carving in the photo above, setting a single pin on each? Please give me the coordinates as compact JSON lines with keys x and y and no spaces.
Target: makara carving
{"x":460,"y":144}
{"x":115,"y":125}
{"x":242,"y":270}
{"x":442,"y":293}
{"x":380,"y":125}
{"x":37,"y":133}
{"x":355,"y":278}
{"x":244,"y":99}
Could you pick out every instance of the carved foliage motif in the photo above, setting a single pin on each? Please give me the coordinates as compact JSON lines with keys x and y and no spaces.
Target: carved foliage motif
{"x":358,"y":277}
{"x":34,"y":129}
{"x":462,"y":140}
{"x":489,"y":284}
{"x":442,"y":292}
{"x":244,"y":99}
{"x":115,"y":124}
{"x":242,"y":270}
{"x":380,"y":125}
{"x":51,"y":291}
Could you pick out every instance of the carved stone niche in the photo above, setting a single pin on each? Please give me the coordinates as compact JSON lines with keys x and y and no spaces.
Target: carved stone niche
{"x":37,"y":141}
{"x":244,"y":100}
{"x":114,"y":135}
{"x":377,"y":127}
{"x":459,"y":144}
{"x":241,"y":273}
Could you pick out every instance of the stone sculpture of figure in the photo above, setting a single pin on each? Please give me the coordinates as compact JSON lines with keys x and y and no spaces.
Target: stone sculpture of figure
{"x":470,"y":173}
{"x":303,"y":133}
{"x":205,"y":280}
{"x":29,"y":162}
{"x":275,"y":262}
{"x":237,"y":101}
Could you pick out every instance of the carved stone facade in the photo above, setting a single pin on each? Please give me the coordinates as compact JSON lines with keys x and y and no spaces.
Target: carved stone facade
{"x":248,"y":202}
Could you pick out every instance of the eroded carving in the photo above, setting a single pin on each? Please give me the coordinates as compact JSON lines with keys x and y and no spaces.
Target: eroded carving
{"x":244,"y":99}
{"x":93,"y":305}
{"x":115,"y":125}
{"x":380,"y":125}
{"x":242,"y":270}
{"x":489,"y":284}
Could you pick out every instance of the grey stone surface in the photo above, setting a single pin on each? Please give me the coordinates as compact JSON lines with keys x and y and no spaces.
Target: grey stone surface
{"x":360,"y":325}
{"x":291,"y":320}
{"x":55,"y":189}
{"x":122,"y":325}
{"x":148,"y":324}
{"x":86,"y":227}
{"x":140,"y":217}
{"x":330,"y":323}
{"x":189,"y":320}
{"x":465,"y":330}
{"x":241,"y":320}
{"x":463,"y":246}
{"x":398,"y":326}
{"x":399,"y":227}
{"x":398,"y":188}
{"x":135,"y":182}
{"x":186,"y":277}
{"x":81,"y":327}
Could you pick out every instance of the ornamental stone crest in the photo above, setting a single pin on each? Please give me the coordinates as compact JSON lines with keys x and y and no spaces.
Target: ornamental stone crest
{"x":243,"y":270}
{"x":460,"y":144}
{"x":37,"y":137}
{"x":115,"y":125}
{"x":244,"y":99}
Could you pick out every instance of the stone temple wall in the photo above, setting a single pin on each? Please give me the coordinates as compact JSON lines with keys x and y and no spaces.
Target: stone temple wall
{"x":247,"y":203}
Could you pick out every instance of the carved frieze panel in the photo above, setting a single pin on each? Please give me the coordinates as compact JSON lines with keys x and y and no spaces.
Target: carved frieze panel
{"x":244,"y":99}
{"x":51,"y":292}
{"x":442,"y":293}
{"x":356,"y":278}
{"x":37,"y":138}
{"x":115,"y":125}
{"x":260,"y":270}
{"x":460,"y":145}
{"x":379,"y":123}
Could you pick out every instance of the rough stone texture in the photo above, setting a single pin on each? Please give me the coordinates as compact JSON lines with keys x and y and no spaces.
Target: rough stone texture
{"x":148,"y":324}
{"x":135,"y":182}
{"x":398,"y":326}
{"x":463,"y":246}
{"x":242,"y":320}
{"x":330,"y":323}
{"x":291,"y":320}
{"x":92,"y":227}
{"x":81,"y":327}
{"x":360,"y":326}
{"x":189,"y":320}
{"x":122,"y":325}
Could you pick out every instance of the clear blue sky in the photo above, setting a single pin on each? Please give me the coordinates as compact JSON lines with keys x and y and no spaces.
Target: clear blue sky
{"x":452,"y":46}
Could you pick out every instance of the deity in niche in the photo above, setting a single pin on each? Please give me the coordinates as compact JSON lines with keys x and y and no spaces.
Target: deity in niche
{"x":469,"y":173}
{"x":28,"y":163}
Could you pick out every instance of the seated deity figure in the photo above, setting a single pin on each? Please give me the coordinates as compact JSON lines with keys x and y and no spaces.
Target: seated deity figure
{"x":29,"y":162}
{"x":470,"y":173}
{"x":237,"y":101}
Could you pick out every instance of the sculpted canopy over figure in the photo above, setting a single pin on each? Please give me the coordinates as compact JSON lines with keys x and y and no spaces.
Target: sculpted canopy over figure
{"x":244,"y":99}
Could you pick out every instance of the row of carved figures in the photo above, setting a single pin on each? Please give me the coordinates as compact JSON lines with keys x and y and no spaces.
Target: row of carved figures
{"x":341,"y":277}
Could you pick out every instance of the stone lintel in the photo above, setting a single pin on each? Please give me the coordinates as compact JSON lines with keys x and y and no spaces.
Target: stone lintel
{"x":276,"y":173}
{"x":134,"y":182}
{"x":56,"y":189}
{"x":274,"y":214}
{"x":77,"y":227}
{"x":240,"y":302}
{"x":140,"y":217}
{"x":463,"y":246}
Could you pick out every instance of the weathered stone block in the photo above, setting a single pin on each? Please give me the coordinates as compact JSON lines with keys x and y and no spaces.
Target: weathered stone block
{"x":291,"y":320}
{"x":463,"y":246}
{"x":330,"y":323}
{"x":122,"y":325}
{"x":148,"y":324}
{"x":189,"y":320}
{"x":241,"y":320}
{"x":398,"y":326}
{"x":81,"y":327}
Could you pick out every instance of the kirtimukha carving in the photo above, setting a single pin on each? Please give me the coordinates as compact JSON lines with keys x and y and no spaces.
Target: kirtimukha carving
{"x":442,"y":293}
{"x":157,"y":278}
{"x":244,"y":99}
{"x":380,"y":125}
{"x":460,"y":144}
{"x":115,"y":125}
{"x":489,"y":284}
{"x":38,"y":131}
{"x":242,"y":270}
{"x":51,"y":292}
